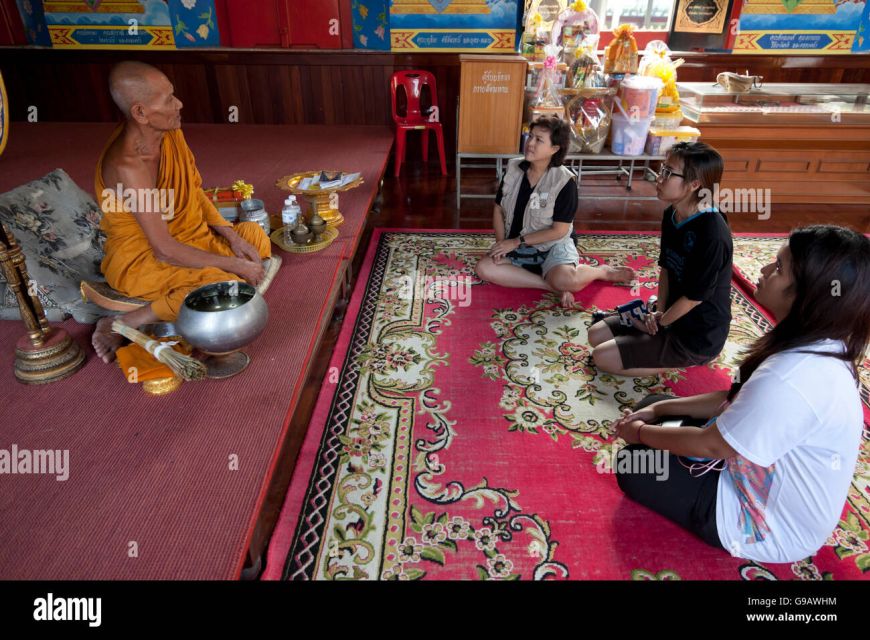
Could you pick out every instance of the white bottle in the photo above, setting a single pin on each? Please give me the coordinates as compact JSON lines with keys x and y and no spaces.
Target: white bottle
{"x":289,"y":218}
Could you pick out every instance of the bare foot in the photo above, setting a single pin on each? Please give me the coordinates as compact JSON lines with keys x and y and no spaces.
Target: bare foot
{"x":619,"y":274}
{"x":105,"y":341}
{"x":568,"y":300}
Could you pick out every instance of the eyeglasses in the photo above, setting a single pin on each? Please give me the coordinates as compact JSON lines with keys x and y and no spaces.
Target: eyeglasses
{"x":666,"y":172}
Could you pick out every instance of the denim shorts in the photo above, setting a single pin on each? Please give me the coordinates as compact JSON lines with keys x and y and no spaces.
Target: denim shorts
{"x":541,"y":262}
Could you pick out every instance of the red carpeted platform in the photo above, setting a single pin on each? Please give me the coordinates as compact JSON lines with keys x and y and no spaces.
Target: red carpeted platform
{"x":152,"y":493}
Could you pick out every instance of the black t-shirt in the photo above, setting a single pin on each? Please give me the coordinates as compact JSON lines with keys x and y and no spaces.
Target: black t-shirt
{"x":697,"y":254}
{"x":563,"y":211}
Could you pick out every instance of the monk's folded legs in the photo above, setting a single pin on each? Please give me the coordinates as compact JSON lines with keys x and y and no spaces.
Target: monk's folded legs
{"x":106,"y":342}
{"x":164,"y":306}
{"x":166,"y":287}
{"x":253,"y":233}
{"x":180,"y":283}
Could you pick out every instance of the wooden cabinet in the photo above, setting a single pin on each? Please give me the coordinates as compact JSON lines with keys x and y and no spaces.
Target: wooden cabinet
{"x":491,"y":103}
{"x":824,"y":164}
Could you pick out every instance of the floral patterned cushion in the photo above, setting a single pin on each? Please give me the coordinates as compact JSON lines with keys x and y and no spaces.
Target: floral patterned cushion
{"x":56,"y":224}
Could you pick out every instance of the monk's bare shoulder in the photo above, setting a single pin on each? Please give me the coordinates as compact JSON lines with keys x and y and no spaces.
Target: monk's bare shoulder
{"x":123,"y":166}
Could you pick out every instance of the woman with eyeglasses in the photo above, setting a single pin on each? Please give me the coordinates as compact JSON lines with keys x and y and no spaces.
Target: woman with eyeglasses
{"x":782,"y":444}
{"x":691,"y":325}
{"x":533,"y":221}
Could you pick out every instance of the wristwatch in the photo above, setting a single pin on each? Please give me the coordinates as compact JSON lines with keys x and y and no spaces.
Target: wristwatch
{"x":523,"y":244}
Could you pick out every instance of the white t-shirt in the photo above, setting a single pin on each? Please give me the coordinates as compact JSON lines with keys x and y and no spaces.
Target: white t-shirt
{"x":796,"y":426}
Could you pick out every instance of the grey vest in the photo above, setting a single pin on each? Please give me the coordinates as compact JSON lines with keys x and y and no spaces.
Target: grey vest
{"x":538,"y":215}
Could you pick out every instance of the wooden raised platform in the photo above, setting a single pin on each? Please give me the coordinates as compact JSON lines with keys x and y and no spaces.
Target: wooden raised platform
{"x":154,"y":474}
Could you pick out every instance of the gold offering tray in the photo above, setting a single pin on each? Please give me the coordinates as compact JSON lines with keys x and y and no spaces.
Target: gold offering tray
{"x":318,"y":199}
{"x":290,"y":183}
{"x":326,"y":239}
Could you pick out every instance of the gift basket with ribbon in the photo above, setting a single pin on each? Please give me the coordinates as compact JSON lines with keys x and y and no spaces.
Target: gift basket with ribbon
{"x":620,"y":56}
{"x":589,"y":113}
{"x":576,"y":24}
{"x":548,"y":98}
{"x":657,"y":63}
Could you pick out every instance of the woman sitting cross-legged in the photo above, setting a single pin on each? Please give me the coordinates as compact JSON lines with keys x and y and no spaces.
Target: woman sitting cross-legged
{"x":692,"y":323}
{"x":767,"y":477}
{"x":533,"y":220}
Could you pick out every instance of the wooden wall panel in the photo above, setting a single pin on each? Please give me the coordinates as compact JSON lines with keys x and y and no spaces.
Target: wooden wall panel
{"x":828,"y":166}
{"x":801,"y":164}
{"x":312,"y":87}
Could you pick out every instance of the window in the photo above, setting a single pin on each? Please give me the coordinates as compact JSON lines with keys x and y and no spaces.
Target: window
{"x":645,"y":15}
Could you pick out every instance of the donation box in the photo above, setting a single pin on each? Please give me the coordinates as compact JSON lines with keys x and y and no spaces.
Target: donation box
{"x":491,"y":103}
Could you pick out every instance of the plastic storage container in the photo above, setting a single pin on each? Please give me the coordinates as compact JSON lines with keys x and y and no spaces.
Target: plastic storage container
{"x":667,"y":120}
{"x":628,"y":135}
{"x":638,"y":96}
{"x":660,"y":141}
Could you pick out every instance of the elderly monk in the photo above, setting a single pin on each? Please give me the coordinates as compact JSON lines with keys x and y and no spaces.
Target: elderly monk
{"x":161,"y":248}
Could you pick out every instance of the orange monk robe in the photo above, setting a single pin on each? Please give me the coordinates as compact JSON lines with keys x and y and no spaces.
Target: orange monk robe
{"x":130,"y":266}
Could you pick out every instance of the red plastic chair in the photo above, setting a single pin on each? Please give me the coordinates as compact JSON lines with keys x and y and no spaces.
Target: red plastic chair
{"x":413,"y":83}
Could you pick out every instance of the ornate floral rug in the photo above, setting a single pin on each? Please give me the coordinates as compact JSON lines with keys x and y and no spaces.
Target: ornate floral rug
{"x":462,"y":433}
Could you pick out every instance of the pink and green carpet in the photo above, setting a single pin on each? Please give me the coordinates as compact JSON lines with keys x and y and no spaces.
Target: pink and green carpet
{"x":462,"y":433}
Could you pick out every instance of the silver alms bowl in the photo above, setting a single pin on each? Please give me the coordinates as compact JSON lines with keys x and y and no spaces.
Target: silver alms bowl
{"x":222,"y":316}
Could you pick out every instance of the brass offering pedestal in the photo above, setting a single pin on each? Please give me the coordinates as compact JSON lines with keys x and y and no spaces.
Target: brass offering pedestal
{"x":45,"y":354}
{"x":319,"y":200}
{"x":55,"y":358}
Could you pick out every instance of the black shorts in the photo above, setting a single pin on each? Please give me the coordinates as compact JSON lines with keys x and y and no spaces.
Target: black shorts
{"x":686,"y":498}
{"x":640,"y":350}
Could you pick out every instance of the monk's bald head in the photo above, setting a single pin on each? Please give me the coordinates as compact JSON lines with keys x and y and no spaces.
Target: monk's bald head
{"x":145,"y":95}
{"x":135,"y":82}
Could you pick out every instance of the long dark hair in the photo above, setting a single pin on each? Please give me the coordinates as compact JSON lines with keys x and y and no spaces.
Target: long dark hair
{"x":831,"y":270}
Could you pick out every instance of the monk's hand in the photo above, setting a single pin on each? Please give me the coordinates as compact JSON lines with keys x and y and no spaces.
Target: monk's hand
{"x":252,"y":272}
{"x":244,"y":249}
